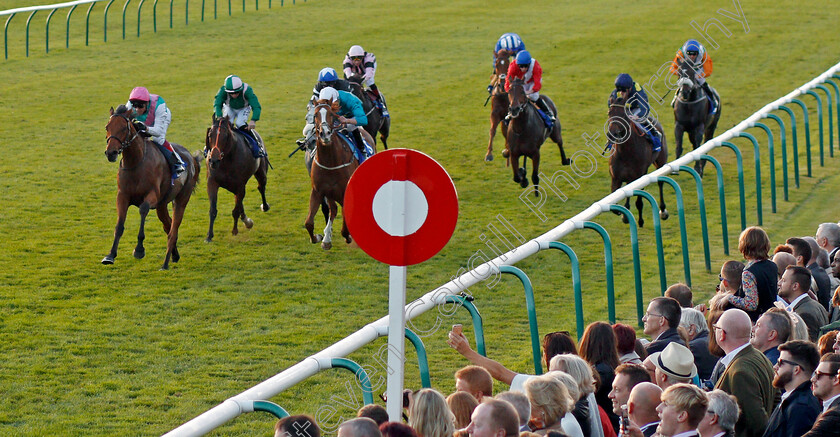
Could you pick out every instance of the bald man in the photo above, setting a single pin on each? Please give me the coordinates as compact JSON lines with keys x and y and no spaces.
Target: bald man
{"x":748,"y":374}
{"x":782,"y":260}
{"x":641,"y":407}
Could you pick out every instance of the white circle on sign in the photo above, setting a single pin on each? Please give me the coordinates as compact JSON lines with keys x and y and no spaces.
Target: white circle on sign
{"x":400,"y":208}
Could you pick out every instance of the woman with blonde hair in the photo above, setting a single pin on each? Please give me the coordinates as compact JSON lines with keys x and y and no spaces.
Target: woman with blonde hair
{"x":550,"y":401}
{"x":569,"y":423}
{"x":462,"y":405}
{"x":429,"y":415}
{"x":586,"y":408}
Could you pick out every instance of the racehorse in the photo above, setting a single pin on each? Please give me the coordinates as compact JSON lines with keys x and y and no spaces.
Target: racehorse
{"x":691,"y":113}
{"x":144,"y":181}
{"x":334,"y":164}
{"x":632,"y":155}
{"x":376,"y":121}
{"x":499,"y":102}
{"x":230,"y":165}
{"x":526,"y":132}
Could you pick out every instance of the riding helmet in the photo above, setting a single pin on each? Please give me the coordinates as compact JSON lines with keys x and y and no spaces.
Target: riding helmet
{"x":327,"y":74}
{"x":140,"y":93}
{"x":328,"y":93}
{"x":233,"y":84}
{"x":356,"y":51}
{"x":623,"y":81}
{"x":523,"y":58}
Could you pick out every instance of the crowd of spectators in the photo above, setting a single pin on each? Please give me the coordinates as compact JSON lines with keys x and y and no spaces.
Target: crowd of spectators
{"x":760,"y":358}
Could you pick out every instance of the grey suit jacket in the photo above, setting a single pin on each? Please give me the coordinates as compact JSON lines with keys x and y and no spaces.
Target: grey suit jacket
{"x":814,"y":316}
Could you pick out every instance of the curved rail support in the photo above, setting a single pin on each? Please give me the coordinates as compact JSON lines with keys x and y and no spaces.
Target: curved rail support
{"x":701,"y":202}
{"x":634,"y":244}
{"x":478,"y":324}
{"x":67,"y":35}
{"x":681,"y":214}
{"x":139,"y":10}
{"x":422,"y":358}
{"x":47,"y":39}
{"x":795,"y":149}
{"x":575,"y":281}
{"x":125,"y":6}
{"x":28,"y":20}
{"x":829,"y":105}
{"x":772,"y":164}
{"x":807,"y":136}
{"x":105,"y":26}
{"x":657,"y":228}
{"x":837,"y":103}
{"x":722,"y":197}
{"x":820,"y":117}
{"x":264,"y":406}
{"x":757,"y":152}
{"x":740,"y":163}
{"x":361,"y":375}
{"x":608,"y":266}
{"x":532,"y":313}
{"x":784,"y":154}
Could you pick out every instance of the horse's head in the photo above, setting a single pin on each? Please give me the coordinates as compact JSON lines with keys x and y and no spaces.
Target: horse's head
{"x":518,"y":98}
{"x":687,"y":82}
{"x":326,"y":120}
{"x":618,"y":130}
{"x":502,"y":63}
{"x":219,"y":140}
{"x":355,"y":80}
{"x":119,"y":131}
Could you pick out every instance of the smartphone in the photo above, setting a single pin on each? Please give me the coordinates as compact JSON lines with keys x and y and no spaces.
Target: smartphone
{"x":457,"y":329}
{"x":624,"y":420}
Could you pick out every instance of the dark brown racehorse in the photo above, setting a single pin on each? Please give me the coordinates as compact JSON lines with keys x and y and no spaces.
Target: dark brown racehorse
{"x":691,"y":113}
{"x":499,"y":102}
{"x":377,"y":123}
{"x":526,"y":132}
{"x":332,"y":167}
{"x":144,"y":181}
{"x":230,"y":165}
{"x":632,"y":155}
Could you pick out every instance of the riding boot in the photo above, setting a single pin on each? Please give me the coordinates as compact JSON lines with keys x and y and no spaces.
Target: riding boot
{"x":711,"y":96}
{"x":360,"y":144}
{"x":543,"y":105}
{"x":380,"y":101}
{"x":176,"y":165}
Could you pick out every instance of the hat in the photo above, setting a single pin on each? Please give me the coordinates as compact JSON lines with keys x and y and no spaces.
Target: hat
{"x":676,"y":361}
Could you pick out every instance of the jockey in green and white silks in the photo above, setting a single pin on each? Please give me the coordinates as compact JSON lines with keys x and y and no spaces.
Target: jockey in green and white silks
{"x":237,"y":102}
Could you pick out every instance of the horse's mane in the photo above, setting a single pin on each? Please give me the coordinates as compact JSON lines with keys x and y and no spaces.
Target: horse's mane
{"x":121,"y":110}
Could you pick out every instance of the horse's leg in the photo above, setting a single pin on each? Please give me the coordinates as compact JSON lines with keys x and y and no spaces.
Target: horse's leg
{"x":384,"y":131}
{"x":212,"y":194}
{"x":678,"y":138}
{"x":535,"y":173}
{"x":513,"y":159}
{"x":245,"y":219}
{"x":523,"y":173}
{"x":314,"y":200}
{"x":697,"y":141}
{"x":345,"y":232}
{"x":122,"y":208}
{"x":494,"y":123}
{"x":172,"y":242}
{"x":139,"y":251}
{"x":557,"y":137}
{"x":262,"y":178}
{"x":663,"y":212}
{"x":624,"y":218}
{"x":327,"y":243}
{"x":640,"y":204}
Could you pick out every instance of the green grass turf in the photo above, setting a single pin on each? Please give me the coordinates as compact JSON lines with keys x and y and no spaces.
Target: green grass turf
{"x":127,"y":349}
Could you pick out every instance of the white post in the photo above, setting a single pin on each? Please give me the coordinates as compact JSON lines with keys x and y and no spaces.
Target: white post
{"x":396,"y":342}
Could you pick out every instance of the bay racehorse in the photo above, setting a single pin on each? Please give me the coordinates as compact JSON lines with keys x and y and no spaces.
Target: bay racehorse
{"x":691,"y":113}
{"x":334,"y":163}
{"x":144,"y":181}
{"x":526,"y":132}
{"x":499,"y":102}
{"x":632,"y":155}
{"x":377,"y":123}
{"x":230,"y":165}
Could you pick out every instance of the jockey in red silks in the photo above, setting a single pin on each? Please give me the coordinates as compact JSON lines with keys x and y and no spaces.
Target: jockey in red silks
{"x":152,"y":120}
{"x":362,"y":63}
{"x":528,"y":69}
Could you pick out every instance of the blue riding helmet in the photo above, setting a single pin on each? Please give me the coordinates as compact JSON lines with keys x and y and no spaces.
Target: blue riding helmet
{"x":623,"y":81}
{"x":523,"y":58}
{"x":691,"y":45}
{"x":327,"y":75}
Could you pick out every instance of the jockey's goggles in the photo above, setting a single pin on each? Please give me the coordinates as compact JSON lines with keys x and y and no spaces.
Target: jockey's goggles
{"x":622,"y":89}
{"x":357,"y":58}
{"x":692,"y":53}
{"x":138,"y":104}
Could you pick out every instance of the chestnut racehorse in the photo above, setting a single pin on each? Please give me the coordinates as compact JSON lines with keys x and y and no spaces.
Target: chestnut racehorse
{"x":334,"y":163}
{"x":230,"y":165}
{"x":144,"y":181}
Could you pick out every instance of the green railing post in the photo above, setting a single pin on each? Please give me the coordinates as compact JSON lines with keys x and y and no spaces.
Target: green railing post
{"x":701,"y":202}
{"x":270,"y":407}
{"x":215,"y":10}
{"x":47,"y":39}
{"x":820,"y":117}
{"x":722,"y":197}
{"x":807,"y":136}
{"x":681,"y":214}
{"x":837,"y":103}
{"x":784,"y":154}
{"x":772,"y":165}
{"x":657,"y":229}
{"x":575,"y":283}
{"x":757,"y":153}
{"x":361,"y":375}
{"x":608,"y":266}
{"x":170,"y":13}
{"x":105,"y":26}
{"x":28,"y":20}
{"x":531,"y":308}
{"x":67,"y":37}
{"x":186,"y":12}
{"x":422,"y":359}
{"x":795,"y":148}
{"x":740,"y":163}
{"x":637,"y":268}
{"x":123,"y":22}
{"x":478,"y":324}
{"x":229,"y":8}
{"x":243,"y":5}
{"x":6,"y":33}
{"x":202,"y":11}
{"x":154,"y":16}
{"x":87,"y":23}
{"x":139,"y":9}
{"x":828,"y":104}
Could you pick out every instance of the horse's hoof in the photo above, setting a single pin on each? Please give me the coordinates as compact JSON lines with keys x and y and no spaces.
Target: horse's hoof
{"x":249,"y":223}
{"x":139,"y":254}
{"x":264,"y":207}
{"x":108,"y":260}
{"x":567,"y":161}
{"x":318,"y":239}
{"x":664,"y":214}
{"x":624,"y":219}
{"x":208,"y":240}
{"x":176,"y":257}
{"x":234,"y":231}
{"x":641,"y":223}
{"x":506,"y":153}
{"x":164,"y":267}
{"x":326,"y":246}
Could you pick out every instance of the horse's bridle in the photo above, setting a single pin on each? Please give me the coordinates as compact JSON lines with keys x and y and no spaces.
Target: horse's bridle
{"x":336,"y":124}
{"x":216,"y":142}
{"x":128,"y":141}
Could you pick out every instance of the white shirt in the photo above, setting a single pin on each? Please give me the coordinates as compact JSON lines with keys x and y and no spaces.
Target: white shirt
{"x":686,"y":434}
{"x":571,"y":426}
{"x":827,"y":402}
{"x":791,"y":305}
{"x":731,"y":355}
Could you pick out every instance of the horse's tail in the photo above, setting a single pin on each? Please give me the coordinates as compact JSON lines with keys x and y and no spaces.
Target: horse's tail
{"x":198,"y":157}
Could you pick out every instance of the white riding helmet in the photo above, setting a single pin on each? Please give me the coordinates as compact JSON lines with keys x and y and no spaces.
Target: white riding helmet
{"x":356,"y":51}
{"x":328,"y":93}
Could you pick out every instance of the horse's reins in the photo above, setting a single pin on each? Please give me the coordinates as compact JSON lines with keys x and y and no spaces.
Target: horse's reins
{"x":315,"y":156}
{"x":496,"y":82}
{"x":126,"y":143}
{"x":216,"y":142}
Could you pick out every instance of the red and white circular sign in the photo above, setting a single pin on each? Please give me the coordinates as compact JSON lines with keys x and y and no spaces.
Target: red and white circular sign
{"x":401,"y":207}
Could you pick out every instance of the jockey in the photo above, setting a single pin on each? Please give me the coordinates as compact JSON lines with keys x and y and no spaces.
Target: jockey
{"x":695,"y":54}
{"x":152,"y":119}
{"x":349,"y":106}
{"x":237,"y":101}
{"x":509,"y":44}
{"x":528,"y":69}
{"x":637,"y":106}
{"x":327,"y":77}
{"x":362,"y":63}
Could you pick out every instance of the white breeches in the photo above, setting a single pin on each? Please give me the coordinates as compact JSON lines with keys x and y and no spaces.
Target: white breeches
{"x":239,"y":117}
